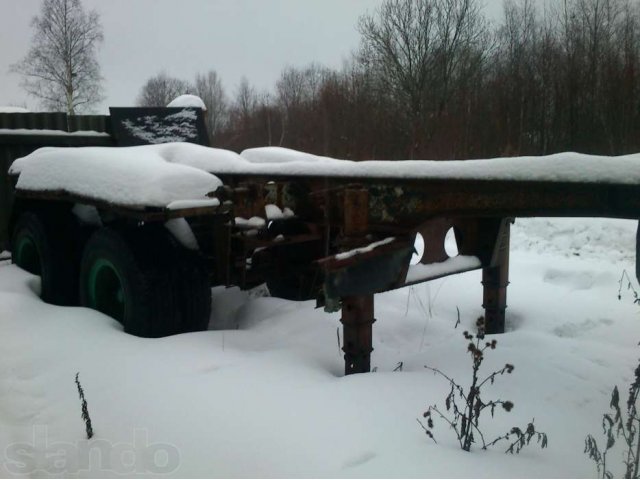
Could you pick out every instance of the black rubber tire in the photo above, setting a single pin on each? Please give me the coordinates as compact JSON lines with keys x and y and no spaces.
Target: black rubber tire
{"x":190,"y":282}
{"x":50,"y":239}
{"x":138,"y":256}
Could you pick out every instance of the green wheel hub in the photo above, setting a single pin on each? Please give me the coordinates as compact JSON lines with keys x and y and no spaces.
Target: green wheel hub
{"x":106,"y":289}
{"x":27,"y":256}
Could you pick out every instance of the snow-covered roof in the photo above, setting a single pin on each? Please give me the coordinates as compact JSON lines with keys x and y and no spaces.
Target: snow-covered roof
{"x":131,"y":176}
{"x":281,"y":155}
{"x":274,"y":161}
{"x":560,"y":167}
{"x":187,"y":101}
{"x":62,"y":133}
{"x":11,"y":109}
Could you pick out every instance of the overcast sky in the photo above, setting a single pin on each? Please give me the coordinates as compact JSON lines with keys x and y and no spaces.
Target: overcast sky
{"x":255,"y":38}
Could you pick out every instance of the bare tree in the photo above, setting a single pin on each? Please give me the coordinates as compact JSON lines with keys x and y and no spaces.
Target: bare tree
{"x":61,"y":69}
{"x":266,"y":110}
{"x":246,"y":98}
{"x":421,"y":48}
{"x":158,"y":91}
{"x":242,"y":115}
{"x":209,"y":88}
{"x":298,"y":92}
{"x":433,"y":79}
{"x":515,"y":61}
{"x":296,"y":86}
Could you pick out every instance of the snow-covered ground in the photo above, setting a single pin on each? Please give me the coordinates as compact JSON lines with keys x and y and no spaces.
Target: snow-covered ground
{"x":262,"y":393}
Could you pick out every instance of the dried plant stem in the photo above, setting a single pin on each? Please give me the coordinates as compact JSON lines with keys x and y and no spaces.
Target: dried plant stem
{"x":85,"y":409}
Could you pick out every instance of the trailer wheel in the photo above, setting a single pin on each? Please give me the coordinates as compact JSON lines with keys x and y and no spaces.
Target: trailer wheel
{"x":190,"y":280}
{"x":42,"y":248}
{"x":125,"y":275}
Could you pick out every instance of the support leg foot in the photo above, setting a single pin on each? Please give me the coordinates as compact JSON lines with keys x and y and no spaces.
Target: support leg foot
{"x":357,"y":320}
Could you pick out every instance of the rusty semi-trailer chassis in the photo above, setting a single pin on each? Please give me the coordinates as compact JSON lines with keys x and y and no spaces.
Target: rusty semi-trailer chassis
{"x":297,"y":255}
{"x":352,"y":212}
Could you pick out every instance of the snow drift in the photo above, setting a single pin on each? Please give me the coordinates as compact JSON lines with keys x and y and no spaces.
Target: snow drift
{"x":262,"y":394}
{"x":133,"y":176}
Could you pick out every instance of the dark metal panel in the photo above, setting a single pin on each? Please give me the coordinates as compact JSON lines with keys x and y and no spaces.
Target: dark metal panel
{"x":368,"y":275}
{"x":8,"y":153}
{"x":36,"y":141}
{"x":13,"y":146}
{"x":34,"y":121}
{"x":4,"y":195}
{"x":144,"y":126}
{"x":55,"y":121}
{"x":96,"y":123}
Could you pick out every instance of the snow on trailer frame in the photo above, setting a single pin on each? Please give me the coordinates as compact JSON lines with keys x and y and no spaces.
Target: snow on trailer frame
{"x":366,"y":202}
{"x":355,"y":224}
{"x":22,"y":132}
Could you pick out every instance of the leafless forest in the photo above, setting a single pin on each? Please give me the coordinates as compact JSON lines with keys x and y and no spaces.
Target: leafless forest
{"x":436,"y":79}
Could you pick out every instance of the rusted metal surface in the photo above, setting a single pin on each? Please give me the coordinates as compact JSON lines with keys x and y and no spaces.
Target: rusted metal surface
{"x":356,"y":212}
{"x":379,"y":270}
{"x":357,"y":310}
{"x":495,"y":279}
{"x":357,"y":321}
{"x":248,"y":200}
{"x":403,"y":204}
{"x":408,"y":202}
{"x":473,"y":209}
{"x":433,"y":233}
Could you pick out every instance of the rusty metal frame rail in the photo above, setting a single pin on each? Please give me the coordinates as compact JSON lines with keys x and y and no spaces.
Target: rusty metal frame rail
{"x":424,"y":198}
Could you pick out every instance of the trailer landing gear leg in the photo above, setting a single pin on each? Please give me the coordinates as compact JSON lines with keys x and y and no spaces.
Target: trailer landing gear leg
{"x":495,"y":280}
{"x":357,"y":320}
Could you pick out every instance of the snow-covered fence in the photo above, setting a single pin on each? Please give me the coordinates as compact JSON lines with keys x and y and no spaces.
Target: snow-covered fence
{"x":53,"y":121}
{"x":33,"y":121}
{"x":91,"y":123}
{"x":22,"y":133}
